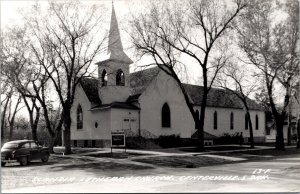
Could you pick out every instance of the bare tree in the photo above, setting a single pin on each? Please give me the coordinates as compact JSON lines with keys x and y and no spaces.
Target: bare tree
{"x":7,"y":91}
{"x":296,"y":94}
{"x":27,"y":77}
{"x":19,"y":71}
{"x":13,"y":110}
{"x":66,"y":41}
{"x":194,"y":31}
{"x":272,"y":49}
{"x":235,"y":79}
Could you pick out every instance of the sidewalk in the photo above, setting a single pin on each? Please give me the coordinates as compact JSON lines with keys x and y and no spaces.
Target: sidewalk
{"x":160,"y":152}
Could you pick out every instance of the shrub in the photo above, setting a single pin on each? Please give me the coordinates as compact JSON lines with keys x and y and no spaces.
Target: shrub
{"x":294,"y":137}
{"x":229,"y":139}
{"x":168,"y":141}
{"x":141,"y":143}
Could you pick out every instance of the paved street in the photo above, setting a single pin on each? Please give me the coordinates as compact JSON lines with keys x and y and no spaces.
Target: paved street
{"x":80,"y":173}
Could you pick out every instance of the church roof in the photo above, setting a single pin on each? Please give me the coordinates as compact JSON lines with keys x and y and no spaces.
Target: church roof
{"x":218,"y":98}
{"x":115,"y":105}
{"x":207,"y":136}
{"x":90,"y":87}
{"x":140,"y":80}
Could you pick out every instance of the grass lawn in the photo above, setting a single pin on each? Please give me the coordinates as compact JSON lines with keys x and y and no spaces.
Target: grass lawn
{"x":116,"y":155}
{"x":183,"y":161}
{"x":257,"y":154}
{"x":216,"y":148}
{"x":61,"y":150}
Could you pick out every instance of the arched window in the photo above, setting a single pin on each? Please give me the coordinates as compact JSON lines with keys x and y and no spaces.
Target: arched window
{"x":197,"y":115}
{"x":246,"y":122}
{"x":256,"y":122}
{"x":79,"y":117}
{"x":120,"y":78}
{"x":215,"y":120}
{"x":104,"y":78}
{"x":165,"y":116}
{"x":231,"y":120}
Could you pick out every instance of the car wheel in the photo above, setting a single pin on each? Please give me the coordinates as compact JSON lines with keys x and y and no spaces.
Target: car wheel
{"x":45,"y":158}
{"x":24,"y":161}
{"x":3,"y":163}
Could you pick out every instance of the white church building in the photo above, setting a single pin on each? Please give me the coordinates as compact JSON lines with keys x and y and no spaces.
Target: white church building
{"x":149,"y":103}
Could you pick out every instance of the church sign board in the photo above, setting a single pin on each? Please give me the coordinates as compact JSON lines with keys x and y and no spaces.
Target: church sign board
{"x":118,"y":140}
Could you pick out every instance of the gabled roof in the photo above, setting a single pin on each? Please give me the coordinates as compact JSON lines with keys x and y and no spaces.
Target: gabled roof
{"x":140,"y":80}
{"x":218,"y":98}
{"x":207,"y":136}
{"x":90,"y":87}
{"x":116,"y":105}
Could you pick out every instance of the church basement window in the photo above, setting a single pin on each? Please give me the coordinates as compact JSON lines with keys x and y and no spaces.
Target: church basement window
{"x":197,"y":115}
{"x":165,"y":116}
{"x":246,"y":122}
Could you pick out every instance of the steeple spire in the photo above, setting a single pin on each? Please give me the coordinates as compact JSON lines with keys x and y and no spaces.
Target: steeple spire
{"x":115,"y":48}
{"x":114,"y":41}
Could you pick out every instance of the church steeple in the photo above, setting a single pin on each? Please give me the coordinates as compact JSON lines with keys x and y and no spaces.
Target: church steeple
{"x":115,"y":47}
{"x":113,"y":69}
{"x":114,"y":41}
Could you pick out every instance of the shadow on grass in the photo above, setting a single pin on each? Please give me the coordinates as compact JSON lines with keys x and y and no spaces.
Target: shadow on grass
{"x":215,"y":148}
{"x":30,"y":164}
{"x":117,"y":155}
{"x":183,"y":161}
{"x":269,"y":152}
{"x":104,"y":166}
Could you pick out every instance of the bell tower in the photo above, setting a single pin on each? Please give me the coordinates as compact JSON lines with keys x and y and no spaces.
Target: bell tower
{"x":113,"y":71}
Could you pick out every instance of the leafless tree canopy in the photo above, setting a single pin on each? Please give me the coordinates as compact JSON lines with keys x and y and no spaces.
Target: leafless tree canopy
{"x":52,"y":51}
{"x":170,"y":30}
{"x":271,"y":45}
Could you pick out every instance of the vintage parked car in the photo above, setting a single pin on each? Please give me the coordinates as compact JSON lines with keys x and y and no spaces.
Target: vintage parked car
{"x":23,"y":151}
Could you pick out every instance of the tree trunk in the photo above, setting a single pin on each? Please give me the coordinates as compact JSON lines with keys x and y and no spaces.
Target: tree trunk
{"x":250,"y":130}
{"x":298,"y":133}
{"x":67,"y":131}
{"x":3,"y":120}
{"x":289,"y":129}
{"x":279,"y":135}
{"x":53,"y":141}
{"x":200,"y":136}
{"x":200,"y":145}
{"x":11,"y":128}
{"x":289,"y":142}
{"x":34,"y":125}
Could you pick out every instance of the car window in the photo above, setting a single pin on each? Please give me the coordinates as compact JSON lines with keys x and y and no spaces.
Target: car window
{"x":26,"y":145}
{"x":22,"y":146}
{"x":34,"y":145}
{"x":10,"y":145}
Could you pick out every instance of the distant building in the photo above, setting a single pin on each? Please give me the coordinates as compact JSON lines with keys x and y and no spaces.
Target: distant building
{"x":150,"y":103}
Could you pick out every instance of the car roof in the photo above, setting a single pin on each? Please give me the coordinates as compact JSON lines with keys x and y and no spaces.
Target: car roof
{"x":21,"y":141}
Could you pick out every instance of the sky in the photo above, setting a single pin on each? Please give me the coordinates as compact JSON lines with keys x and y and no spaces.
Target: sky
{"x":11,"y":15}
